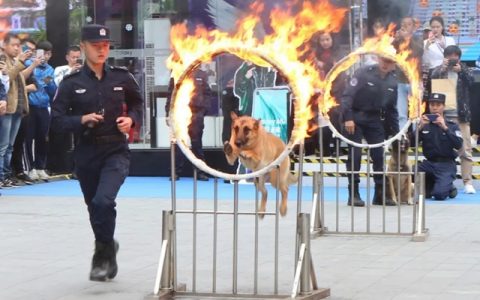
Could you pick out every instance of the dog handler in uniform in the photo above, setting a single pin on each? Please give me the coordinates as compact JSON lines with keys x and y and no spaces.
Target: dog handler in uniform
{"x":441,"y":140}
{"x":91,"y":103}
{"x":369,"y":111}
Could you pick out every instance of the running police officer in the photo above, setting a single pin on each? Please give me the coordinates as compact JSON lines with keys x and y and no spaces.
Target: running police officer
{"x":441,"y":139}
{"x":99,"y":103}
{"x":369,"y":111}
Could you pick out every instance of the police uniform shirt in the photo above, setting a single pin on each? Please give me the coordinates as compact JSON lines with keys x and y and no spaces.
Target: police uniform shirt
{"x":82,"y":93}
{"x":368,"y":92}
{"x":439,"y":143}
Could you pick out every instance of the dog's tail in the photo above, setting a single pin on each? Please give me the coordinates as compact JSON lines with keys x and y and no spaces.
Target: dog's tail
{"x":292,"y":178}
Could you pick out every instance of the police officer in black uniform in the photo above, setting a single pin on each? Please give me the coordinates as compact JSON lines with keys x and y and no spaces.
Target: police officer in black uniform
{"x":441,"y":139}
{"x":199,"y":104}
{"x":369,"y":111}
{"x":99,"y":103}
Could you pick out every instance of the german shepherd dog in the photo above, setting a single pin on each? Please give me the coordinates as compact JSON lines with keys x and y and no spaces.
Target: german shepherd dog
{"x":256,"y":149}
{"x":402,"y":165}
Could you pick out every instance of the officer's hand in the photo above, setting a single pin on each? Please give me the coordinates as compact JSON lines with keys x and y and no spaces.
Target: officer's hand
{"x":37,"y":61}
{"x":350,"y":127}
{"x":91,"y":119}
{"x":424,"y":121}
{"x":445,"y":64}
{"x":124,"y":124}
{"x":440,"y":121}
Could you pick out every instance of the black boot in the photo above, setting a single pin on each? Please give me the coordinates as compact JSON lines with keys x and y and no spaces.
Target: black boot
{"x":104,"y":261}
{"x":357,"y":201}
{"x":378,"y":195}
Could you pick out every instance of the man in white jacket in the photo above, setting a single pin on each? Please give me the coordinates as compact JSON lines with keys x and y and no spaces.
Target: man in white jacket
{"x":74,"y":59}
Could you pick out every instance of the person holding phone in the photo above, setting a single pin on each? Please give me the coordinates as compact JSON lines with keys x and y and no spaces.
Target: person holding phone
{"x":39,"y":119}
{"x":100,"y":104}
{"x":74,"y":63}
{"x":458,"y":109}
{"x":441,"y":139}
{"x":17,"y":105}
{"x":436,"y":43}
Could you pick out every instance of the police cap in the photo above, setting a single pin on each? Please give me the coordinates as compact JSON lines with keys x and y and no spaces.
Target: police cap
{"x":95,"y":33}
{"x":436,"y":97}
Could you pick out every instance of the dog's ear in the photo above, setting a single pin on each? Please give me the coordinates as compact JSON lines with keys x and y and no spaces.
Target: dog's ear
{"x":233,"y":115}
{"x":256,"y":125}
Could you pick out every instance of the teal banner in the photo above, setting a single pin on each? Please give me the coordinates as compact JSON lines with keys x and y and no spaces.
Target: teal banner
{"x":271,"y":105}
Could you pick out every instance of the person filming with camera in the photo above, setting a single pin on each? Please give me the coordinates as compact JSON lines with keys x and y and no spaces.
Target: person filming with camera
{"x":457,"y":106}
{"x":440,"y":138}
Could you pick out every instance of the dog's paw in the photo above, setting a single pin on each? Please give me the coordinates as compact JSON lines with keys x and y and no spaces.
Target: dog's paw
{"x":261,"y":212}
{"x":410,"y":202}
{"x":227,"y":148}
{"x":283,"y":210}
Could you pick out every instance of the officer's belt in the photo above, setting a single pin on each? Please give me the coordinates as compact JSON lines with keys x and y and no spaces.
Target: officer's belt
{"x":371,"y":113}
{"x":107,"y":139}
{"x":441,"y":159}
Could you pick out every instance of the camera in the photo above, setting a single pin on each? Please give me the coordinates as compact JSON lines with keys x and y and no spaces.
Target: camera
{"x":452,"y":62}
{"x":432,"y":117}
{"x":79,"y":61}
{"x":3,"y":57}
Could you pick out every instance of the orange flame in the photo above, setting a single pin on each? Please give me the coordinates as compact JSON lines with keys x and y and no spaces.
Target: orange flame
{"x":382,"y":46}
{"x":281,"y":47}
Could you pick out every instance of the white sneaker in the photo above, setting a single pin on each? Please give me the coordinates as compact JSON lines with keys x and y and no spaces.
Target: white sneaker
{"x":469,"y":189}
{"x":43,"y":175}
{"x":33,"y":174}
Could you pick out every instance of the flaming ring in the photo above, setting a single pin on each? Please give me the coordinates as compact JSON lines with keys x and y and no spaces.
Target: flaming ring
{"x":346,"y":63}
{"x":240,"y":52}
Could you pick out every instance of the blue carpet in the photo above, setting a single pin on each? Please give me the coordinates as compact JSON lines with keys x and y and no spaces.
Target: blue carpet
{"x":159,"y":187}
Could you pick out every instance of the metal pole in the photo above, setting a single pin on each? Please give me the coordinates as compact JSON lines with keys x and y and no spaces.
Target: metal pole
{"x":215,"y":220}
{"x":368,"y":190}
{"x":337,"y":185}
{"x":255,"y":266}
{"x":299,"y":188}
{"x":277,"y":196}
{"x":421,"y":203}
{"x":304,"y":235}
{"x":167,"y":223}
{"x":235,"y":237}
{"x":174,"y":209}
{"x":194,"y":237}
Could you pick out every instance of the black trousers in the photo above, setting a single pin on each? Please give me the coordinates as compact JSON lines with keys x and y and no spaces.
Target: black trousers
{"x":101,"y":171}
{"x":195,"y":132}
{"x":373,"y":131}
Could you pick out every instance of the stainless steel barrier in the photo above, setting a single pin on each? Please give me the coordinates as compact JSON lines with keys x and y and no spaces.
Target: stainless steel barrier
{"x":371,"y":219}
{"x":304,"y":283}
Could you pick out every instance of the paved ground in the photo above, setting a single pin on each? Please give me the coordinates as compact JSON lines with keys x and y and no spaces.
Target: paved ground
{"x":46,"y":245}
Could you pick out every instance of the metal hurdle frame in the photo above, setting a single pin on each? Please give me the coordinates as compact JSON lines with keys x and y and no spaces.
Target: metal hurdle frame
{"x":418,"y":231}
{"x":304,"y":285}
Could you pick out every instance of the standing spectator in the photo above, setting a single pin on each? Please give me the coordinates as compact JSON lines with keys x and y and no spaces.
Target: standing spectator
{"x":369,"y":111}
{"x":20,"y":162}
{"x":458,"y":109}
{"x":39,"y":117}
{"x":405,"y":37}
{"x":74,"y":60}
{"x":17,"y":105}
{"x":60,"y":143}
{"x":436,"y":43}
{"x":441,"y":139}
{"x":91,"y":104}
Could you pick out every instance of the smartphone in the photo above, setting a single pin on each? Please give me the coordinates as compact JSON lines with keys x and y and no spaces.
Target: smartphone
{"x":79,"y":61}
{"x":432,"y":117}
{"x":3,"y":57}
{"x":25,"y":48}
{"x":452,"y":62}
{"x":40,"y":53}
